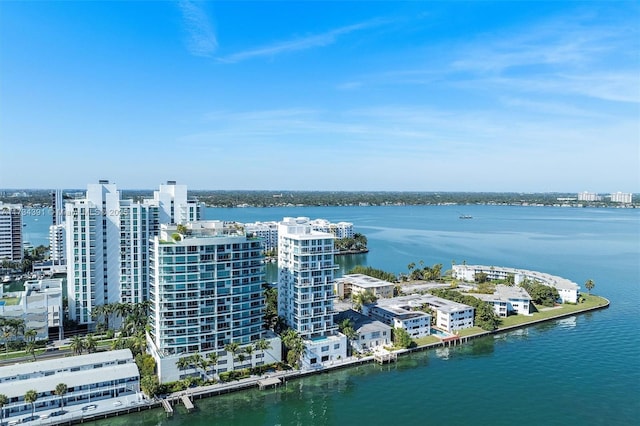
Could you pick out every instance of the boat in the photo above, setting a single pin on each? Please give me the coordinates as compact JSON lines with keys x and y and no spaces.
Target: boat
{"x":465,"y":216}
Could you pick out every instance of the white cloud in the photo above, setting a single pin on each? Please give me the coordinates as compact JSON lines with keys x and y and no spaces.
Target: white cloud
{"x":201,"y":40}
{"x":303,"y":43}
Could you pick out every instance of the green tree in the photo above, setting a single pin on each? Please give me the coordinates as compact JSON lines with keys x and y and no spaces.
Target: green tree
{"x":294,"y":344}
{"x":249,"y":350}
{"x":233,"y":349}
{"x":30,"y":398}
{"x":213,"y":360}
{"x":401,"y":338}
{"x":263,"y":345}
{"x":3,"y":401}
{"x":150,"y":385}
{"x":77,"y":345}
{"x":363,"y":298}
{"x":90,"y":343}
{"x":589,"y":285}
{"x":60,"y":390}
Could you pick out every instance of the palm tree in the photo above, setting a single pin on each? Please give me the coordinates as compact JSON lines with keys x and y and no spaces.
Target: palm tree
{"x":3,"y":402}
{"x":213,"y":360}
{"x":589,"y":285}
{"x":119,"y":343}
{"x":249,"y":351}
{"x":183,"y":363}
{"x":30,"y":335}
{"x":233,"y":349}
{"x":30,"y":349}
{"x":197,"y":361}
{"x":90,"y":343}
{"x":263,"y":345}
{"x":295,"y":346}
{"x":77,"y":344}
{"x":31,"y":397}
{"x":137,"y":344}
{"x":61,"y":390}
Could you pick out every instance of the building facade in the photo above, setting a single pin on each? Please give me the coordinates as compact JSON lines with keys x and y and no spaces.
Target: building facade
{"x":370,"y":333}
{"x":305,"y":289}
{"x":57,"y":247}
{"x":107,"y":243}
{"x":206,"y":292}
{"x":352,"y":284}
{"x":11,"y":232}
{"x":622,"y":197}
{"x":89,"y":378}
{"x":569,"y":291}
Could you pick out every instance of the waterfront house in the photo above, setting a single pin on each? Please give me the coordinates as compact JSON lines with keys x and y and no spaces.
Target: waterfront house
{"x":370,"y":333}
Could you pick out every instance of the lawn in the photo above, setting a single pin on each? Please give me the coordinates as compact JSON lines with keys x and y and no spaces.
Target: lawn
{"x":591,"y":301}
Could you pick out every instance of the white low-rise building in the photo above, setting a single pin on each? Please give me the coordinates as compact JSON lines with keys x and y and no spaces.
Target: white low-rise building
{"x":416,"y":323}
{"x":370,"y":333}
{"x":89,"y":378}
{"x":507,"y":300}
{"x":450,"y":316}
{"x":39,"y":306}
{"x":568,"y":290}
{"x":352,"y":284}
{"x":319,"y":351}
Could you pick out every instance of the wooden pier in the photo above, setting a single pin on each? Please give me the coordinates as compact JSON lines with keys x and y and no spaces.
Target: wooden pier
{"x":383,"y":357}
{"x":167,"y":407}
{"x":187,"y":403}
{"x":268,"y":383}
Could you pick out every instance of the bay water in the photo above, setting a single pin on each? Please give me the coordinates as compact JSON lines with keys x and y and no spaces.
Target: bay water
{"x":582,"y":370}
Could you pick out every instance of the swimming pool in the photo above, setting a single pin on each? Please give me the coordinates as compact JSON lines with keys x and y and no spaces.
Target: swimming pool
{"x":440,"y":333}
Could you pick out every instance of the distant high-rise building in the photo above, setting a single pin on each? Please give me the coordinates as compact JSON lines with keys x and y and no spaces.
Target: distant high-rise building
{"x":11,"y":232}
{"x":57,"y":247}
{"x":588,"y":196}
{"x":206,"y":292}
{"x":622,"y":197}
{"x":305,"y":289}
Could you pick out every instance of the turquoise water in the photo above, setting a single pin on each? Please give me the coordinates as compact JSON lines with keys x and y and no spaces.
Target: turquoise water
{"x":582,"y":370}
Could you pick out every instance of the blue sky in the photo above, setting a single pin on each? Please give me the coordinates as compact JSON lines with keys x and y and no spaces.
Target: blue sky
{"x":416,"y":96}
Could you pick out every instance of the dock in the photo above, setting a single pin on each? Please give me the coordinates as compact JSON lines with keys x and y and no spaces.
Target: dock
{"x":167,"y":407}
{"x":268,"y":382}
{"x":385,"y":356}
{"x":187,"y":403}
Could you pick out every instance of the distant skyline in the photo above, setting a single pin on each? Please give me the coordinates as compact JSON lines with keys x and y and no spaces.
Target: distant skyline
{"x":508,"y":96}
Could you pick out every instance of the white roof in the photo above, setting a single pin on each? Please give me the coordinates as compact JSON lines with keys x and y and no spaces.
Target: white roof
{"x":364,"y":281}
{"x":65,"y":362}
{"x":18,"y":388}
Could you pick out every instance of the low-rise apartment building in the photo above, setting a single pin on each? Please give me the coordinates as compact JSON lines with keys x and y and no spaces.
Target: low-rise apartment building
{"x":507,"y":300}
{"x":351,"y":284}
{"x":568,"y":290}
{"x":450,"y":316}
{"x":88,"y":378}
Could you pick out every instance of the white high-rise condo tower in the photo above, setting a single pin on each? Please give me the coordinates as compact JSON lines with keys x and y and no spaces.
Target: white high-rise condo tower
{"x":305,"y":289}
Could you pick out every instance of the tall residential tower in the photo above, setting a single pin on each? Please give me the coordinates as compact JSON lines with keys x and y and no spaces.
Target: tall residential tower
{"x":305,"y":289}
{"x":206,"y":292}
